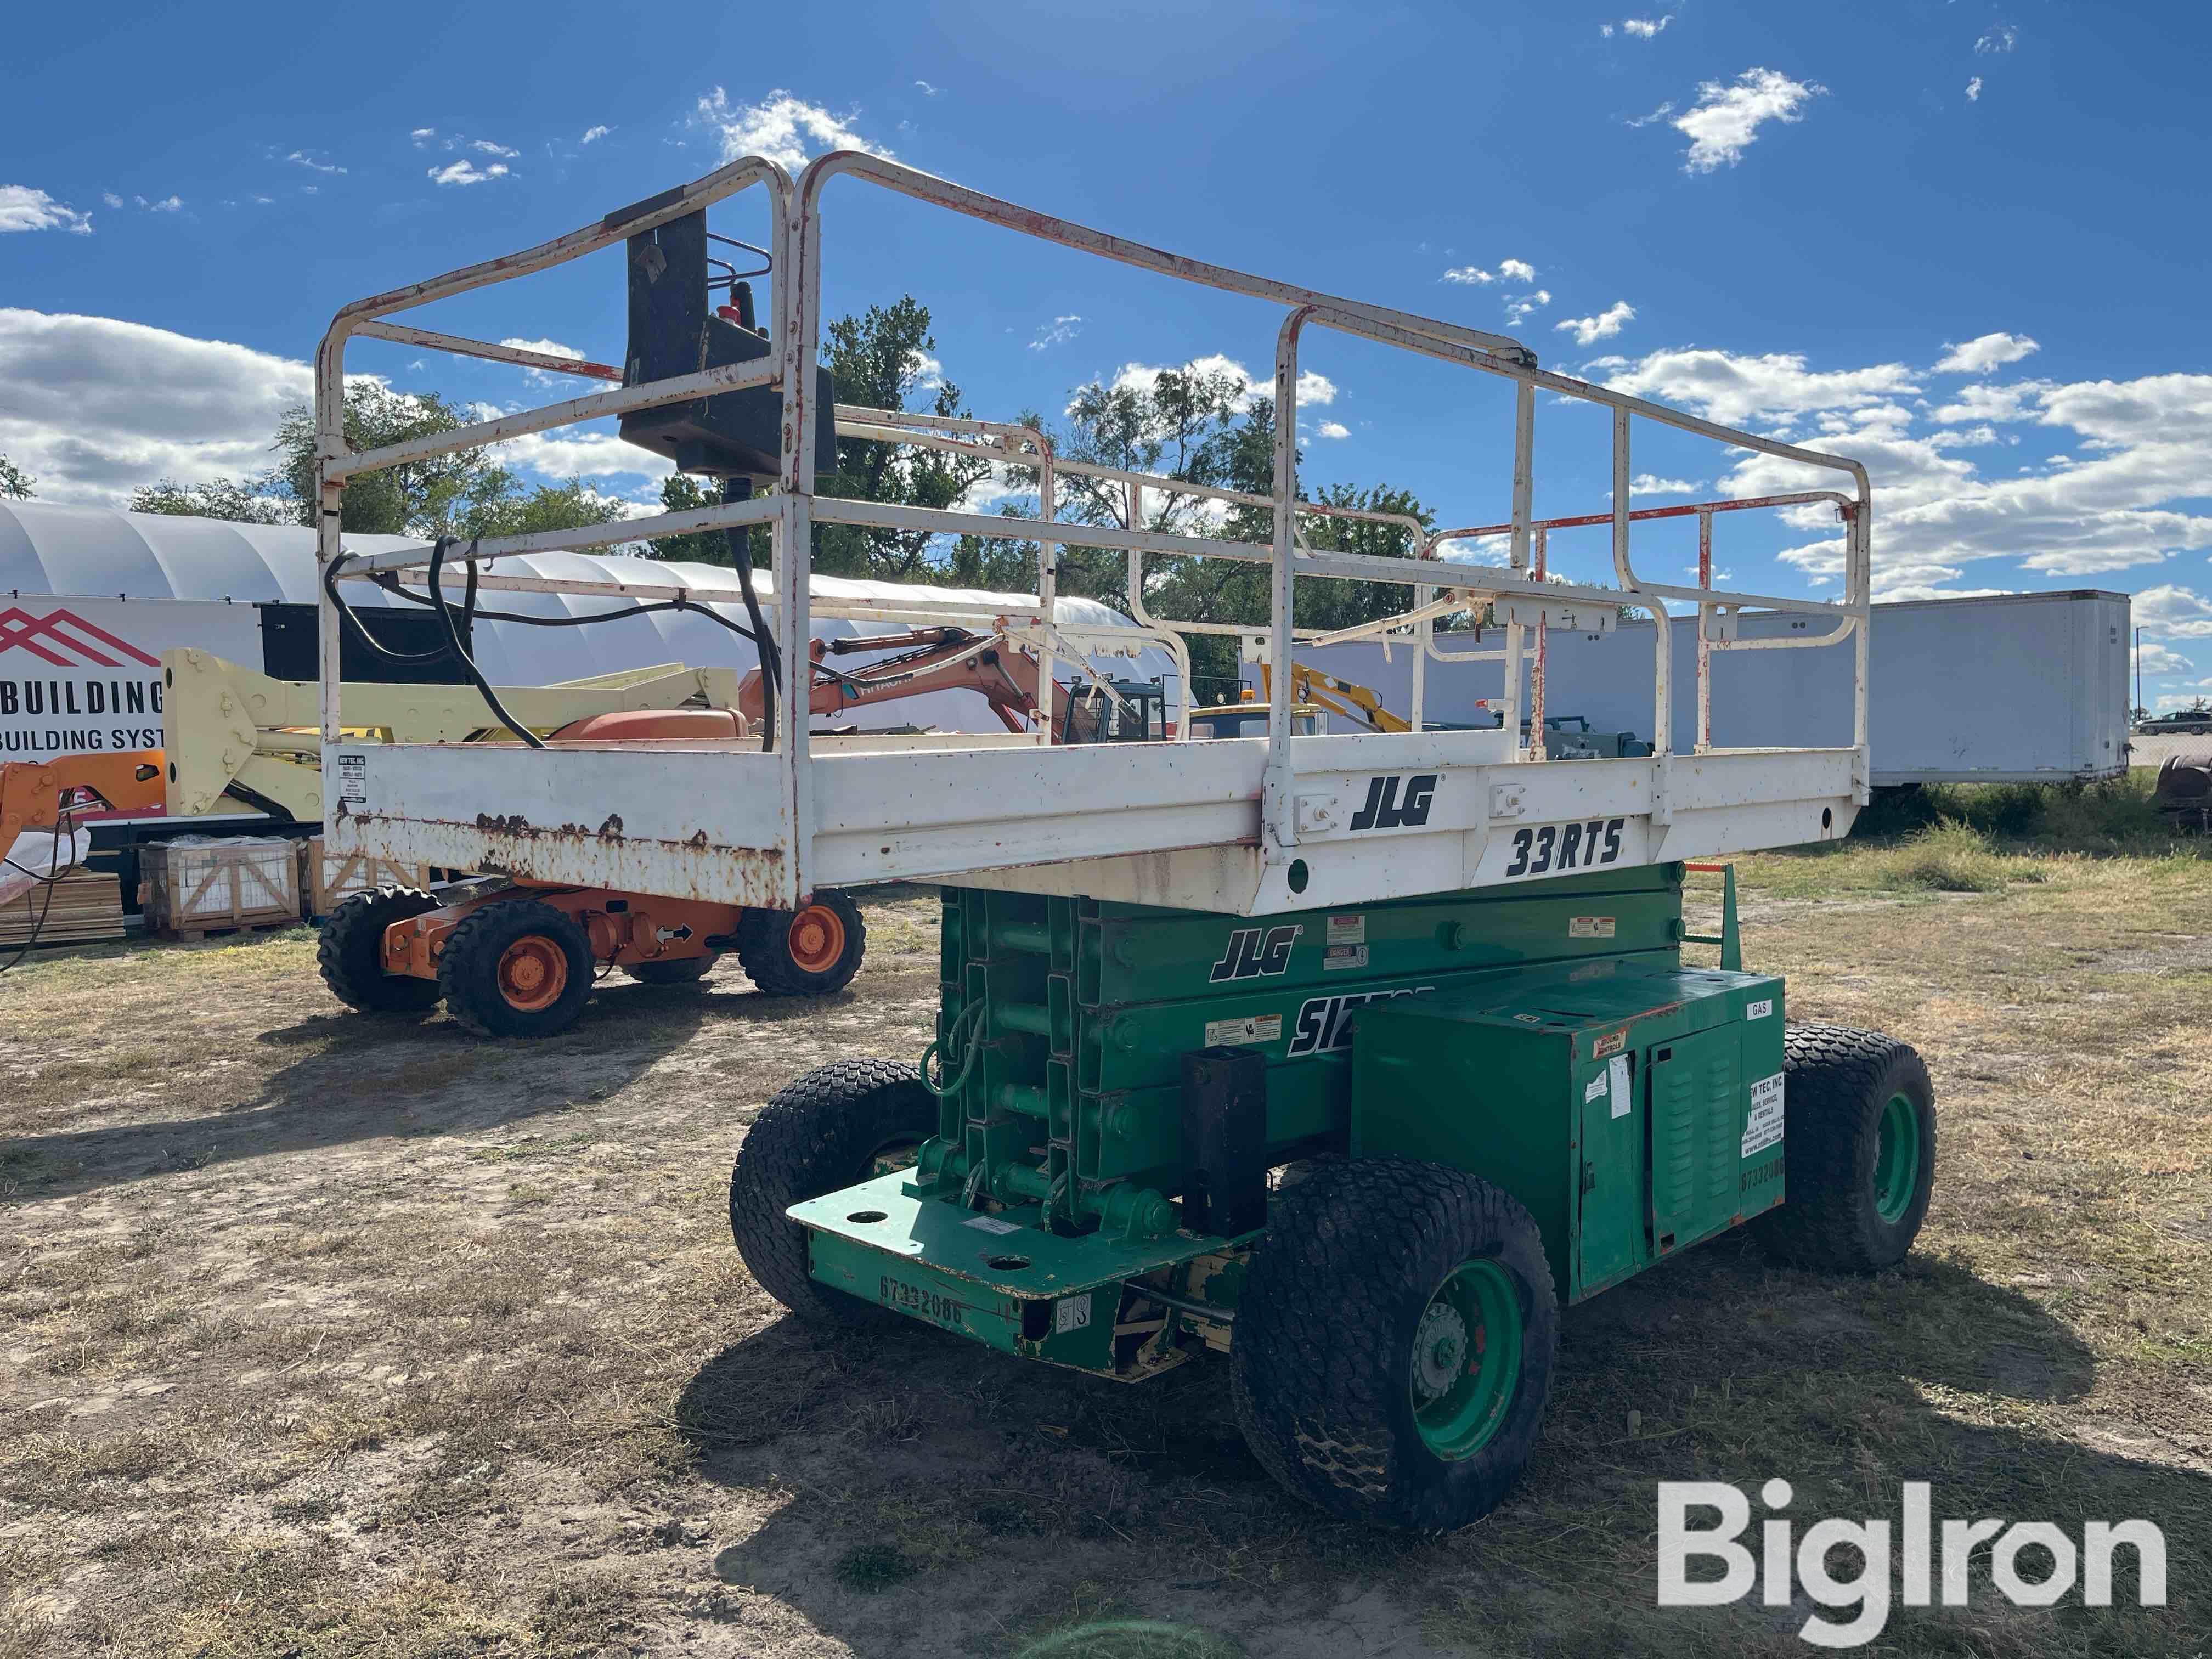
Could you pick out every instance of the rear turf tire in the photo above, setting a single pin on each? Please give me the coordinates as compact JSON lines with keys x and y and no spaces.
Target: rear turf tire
{"x":688,"y":970}
{"x":811,"y":953}
{"x":516,"y":968}
{"x":1394,"y":1343}
{"x":1858,"y":1151}
{"x":832,"y":1128}
{"x":350,"y":953}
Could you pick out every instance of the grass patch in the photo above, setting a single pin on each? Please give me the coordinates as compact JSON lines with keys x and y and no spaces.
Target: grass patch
{"x":868,"y":1568}
{"x":1952,"y":857}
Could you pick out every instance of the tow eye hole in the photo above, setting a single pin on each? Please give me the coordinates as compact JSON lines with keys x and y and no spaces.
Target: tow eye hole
{"x":1827,"y":817}
{"x":1298,"y":875}
{"x":1005,"y":1263}
{"x":866,"y":1215}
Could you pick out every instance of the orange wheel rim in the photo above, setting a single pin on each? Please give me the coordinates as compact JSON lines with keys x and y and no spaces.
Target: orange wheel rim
{"x":817,"y":939}
{"x":532,"y":973}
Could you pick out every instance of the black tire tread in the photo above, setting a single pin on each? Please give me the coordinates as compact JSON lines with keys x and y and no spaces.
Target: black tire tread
{"x":351,"y":953}
{"x":815,"y":1136}
{"x":764,"y":954}
{"x":685,"y":971}
{"x":1836,"y":1077}
{"x":1349,"y":1259}
{"x":468,"y":977}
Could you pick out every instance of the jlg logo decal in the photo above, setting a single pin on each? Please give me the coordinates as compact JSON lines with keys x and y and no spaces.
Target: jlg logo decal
{"x":1255,"y":954}
{"x":1325,"y":1022}
{"x":1383,"y":810}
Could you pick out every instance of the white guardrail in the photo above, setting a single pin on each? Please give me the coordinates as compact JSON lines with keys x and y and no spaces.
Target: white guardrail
{"x":1527,"y":602}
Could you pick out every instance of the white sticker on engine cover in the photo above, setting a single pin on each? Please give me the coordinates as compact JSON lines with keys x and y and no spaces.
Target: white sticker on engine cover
{"x":991,"y":1224}
{"x":1253,"y":1028}
{"x":1764,"y":1127}
{"x":1071,"y":1313}
{"x":1759,"y":1010}
{"x":1622,"y":1100}
{"x":1595,"y":1090}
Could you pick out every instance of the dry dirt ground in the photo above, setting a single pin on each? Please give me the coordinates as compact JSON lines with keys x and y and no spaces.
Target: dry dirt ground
{"x":329,"y":1335}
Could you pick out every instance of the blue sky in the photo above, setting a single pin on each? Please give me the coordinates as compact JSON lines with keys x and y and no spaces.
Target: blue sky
{"x":1957,"y":240}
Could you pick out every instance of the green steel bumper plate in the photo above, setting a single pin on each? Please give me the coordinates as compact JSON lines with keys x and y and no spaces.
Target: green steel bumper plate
{"x":999,"y":1279}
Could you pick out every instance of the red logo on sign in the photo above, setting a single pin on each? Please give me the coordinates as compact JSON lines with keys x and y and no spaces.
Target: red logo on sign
{"x":65,"y":631}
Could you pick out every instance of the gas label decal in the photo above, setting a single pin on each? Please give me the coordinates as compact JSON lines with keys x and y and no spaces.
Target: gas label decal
{"x":1255,"y":954}
{"x":1759,"y":1010}
{"x":1253,"y":1028}
{"x":1580,"y":845}
{"x":1762,"y":1127}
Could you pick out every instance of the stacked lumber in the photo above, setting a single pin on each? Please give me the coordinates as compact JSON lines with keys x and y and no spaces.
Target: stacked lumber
{"x":82,"y":907}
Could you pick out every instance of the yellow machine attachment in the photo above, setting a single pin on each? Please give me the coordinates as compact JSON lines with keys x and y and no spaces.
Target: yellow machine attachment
{"x":233,"y":732}
{"x":1353,"y":702}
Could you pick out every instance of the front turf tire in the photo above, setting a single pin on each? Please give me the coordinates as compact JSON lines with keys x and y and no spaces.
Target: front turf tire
{"x":1394,"y":1343}
{"x":1858,"y":1149}
{"x":516,"y":968}
{"x":834,"y":1127}
{"x":351,"y":953}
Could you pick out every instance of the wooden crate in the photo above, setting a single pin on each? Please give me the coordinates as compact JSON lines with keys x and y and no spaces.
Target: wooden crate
{"x":83,"y":906}
{"x":194,"y":887}
{"x":328,"y":879}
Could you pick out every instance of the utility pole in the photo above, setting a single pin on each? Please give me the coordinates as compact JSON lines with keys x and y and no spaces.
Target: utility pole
{"x":2139,"y":702}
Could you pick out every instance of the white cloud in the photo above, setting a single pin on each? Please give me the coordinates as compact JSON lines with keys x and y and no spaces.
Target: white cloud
{"x":1984,"y":402}
{"x":1331,"y":429}
{"x":167,"y":204}
{"x":466,"y":171}
{"x":593,"y":135}
{"x":422,"y":136}
{"x":550,"y":349}
{"x":781,"y":128}
{"x":2146,"y":444}
{"x":1644,"y":28}
{"x":305,"y":159}
{"x":1726,"y":119}
{"x":928,"y":371}
{"x":1312,"y":388}
{"x":928,"y":90}
{"x":1974,"y":89}
{"x":1984,"y":353}
{"x":2003,"y":38}
{"x":2176,"y":700}
{"x":1646,"y":483}
{"x":1466,"y":274}
{"x":110,"y":198}
{"x":1606,"y":30}
{"x":1516,"y":270}
{"x":490,"y":149}
{"x":1587,"y":331}
{"x":2157,"y":661}
{"x":1517,"y":309}
{"x":2172,"y":612}
{"x":22,"y":207}
{"x":1058,"y":331}
{"x":95,"y":407}
{"x":1661,"y":114}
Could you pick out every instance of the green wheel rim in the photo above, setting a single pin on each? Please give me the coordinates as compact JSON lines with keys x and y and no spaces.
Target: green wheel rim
{"x":1466,"y":1360}
{"x":1897,"y":1158}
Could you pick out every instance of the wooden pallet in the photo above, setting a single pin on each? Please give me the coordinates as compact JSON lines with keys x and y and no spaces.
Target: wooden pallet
{"x":84,"y":907}
{"x":193,"y":935}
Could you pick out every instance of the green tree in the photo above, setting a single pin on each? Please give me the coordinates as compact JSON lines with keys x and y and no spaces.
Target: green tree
{"x":680,"y":493}
{"x":570,"y":506}
{"x":880,"y":361}
{"x":235,"y":499}
{"x":431,"y":497}
{"x":14,"y":483}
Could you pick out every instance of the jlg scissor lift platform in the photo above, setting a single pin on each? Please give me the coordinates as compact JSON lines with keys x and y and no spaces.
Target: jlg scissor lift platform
{"x":1351,"y":1057}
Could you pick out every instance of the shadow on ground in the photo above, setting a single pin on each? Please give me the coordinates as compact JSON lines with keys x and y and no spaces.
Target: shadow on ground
{"x":955,"y":1500}
{"x":344,"y":1077}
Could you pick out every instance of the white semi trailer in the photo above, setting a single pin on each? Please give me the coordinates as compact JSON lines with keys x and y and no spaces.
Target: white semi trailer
{"x":2021,"y":688}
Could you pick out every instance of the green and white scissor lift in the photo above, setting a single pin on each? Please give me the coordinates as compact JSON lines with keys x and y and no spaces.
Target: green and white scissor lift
{"x":1354,"y":1058}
